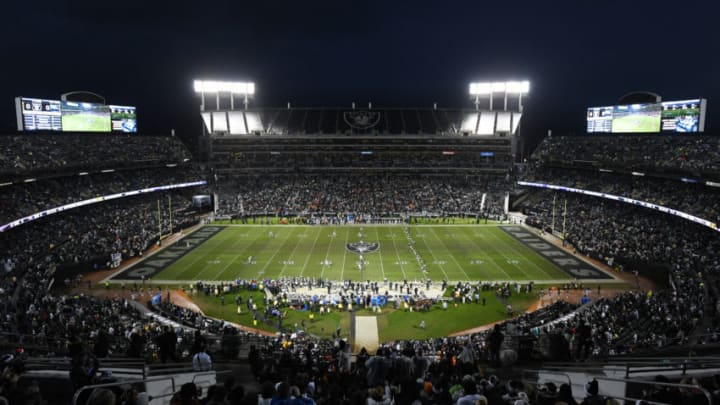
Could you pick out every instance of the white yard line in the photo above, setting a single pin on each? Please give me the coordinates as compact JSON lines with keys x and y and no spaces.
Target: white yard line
{"x":262,"y":271}
{"x":382,"y":266}
{"x":211,"y":268}
{"x":525,"y":257}
{"x":237,"y":256}
{"x":311,"y":250}
{"x":509,"y":260}
{"x":433,"y":256}
{"x":450,"y":254}
{"x":402,"y":267}
{"x":487,"y":257}
{"x":327,"y":254}
{"x":292,"y":254}
{"x":347,"y":238}
{"x":200,"y":257}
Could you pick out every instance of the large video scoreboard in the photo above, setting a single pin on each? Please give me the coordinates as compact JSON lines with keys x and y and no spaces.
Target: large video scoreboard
{"x":34,"y":114}
{"x":685,"y":116}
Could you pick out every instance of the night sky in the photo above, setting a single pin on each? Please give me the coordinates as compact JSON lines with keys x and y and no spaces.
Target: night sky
{"x":394,"y":53}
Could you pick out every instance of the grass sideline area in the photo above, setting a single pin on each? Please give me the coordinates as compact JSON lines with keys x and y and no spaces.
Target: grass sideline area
{"x":392,"y":324}
{"x":448,"y":252}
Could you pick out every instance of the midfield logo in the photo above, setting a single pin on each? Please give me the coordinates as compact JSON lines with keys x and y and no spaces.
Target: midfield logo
{"x":363,"y":247}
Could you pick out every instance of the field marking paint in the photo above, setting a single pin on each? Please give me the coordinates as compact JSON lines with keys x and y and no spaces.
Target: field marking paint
{"x":382,"y":266}
{"x":509,"y":260}
{"x":239,"y":255}
{"x":190,"y":265}
{"x":290,"y":259}
{"x":270,"y":260}
{"x":522,"y":255}
{"x":317,"y":231}
{"x":487,"y":256}
{"x":400,"y":261}
{"x":211,"y":252}
{"x":451,"y":255}
{"x":434,"y":258}
{"x":327,"y":253}
{"x":347,"y":238}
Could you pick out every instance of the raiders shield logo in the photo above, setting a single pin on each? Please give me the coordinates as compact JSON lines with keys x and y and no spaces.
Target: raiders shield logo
{"x":361,"y":119}
{"x":363,"y":247}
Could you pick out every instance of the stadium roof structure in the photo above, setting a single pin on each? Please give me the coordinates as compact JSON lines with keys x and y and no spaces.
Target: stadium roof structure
{"x":370,"y":121}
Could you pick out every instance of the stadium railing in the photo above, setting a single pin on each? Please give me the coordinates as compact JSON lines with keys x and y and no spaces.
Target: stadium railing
{"x":121,"y":383}
{"x":579,"y":375}
{"x":626,"y":381}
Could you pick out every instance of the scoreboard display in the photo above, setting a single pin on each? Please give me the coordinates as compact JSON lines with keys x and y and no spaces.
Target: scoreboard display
{"x":682,"y":116}
{"x":599,"y":119}
{"x":123,"y":119}
{"x":666,"y":117}
{"x":34,"y":114}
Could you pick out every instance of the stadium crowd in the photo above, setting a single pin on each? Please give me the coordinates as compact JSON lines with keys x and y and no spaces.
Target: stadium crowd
{"x":627,"y":237}
{"x":52,"y":154}
{"x":694,"y":153}
{"x":367,"y":195}
{"x":334,"y":160}
{"x":29,"y":198}
{"x":696,"y":199}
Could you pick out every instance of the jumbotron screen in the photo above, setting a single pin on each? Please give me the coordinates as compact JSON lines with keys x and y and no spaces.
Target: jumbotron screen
{"x":666,"y":117}
{"x":34,"y":114}
{"x":85,"y":117}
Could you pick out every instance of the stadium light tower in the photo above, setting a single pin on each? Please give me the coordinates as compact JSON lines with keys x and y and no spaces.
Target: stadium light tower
{"x":247,"y":89}
{"x":488,"y":89}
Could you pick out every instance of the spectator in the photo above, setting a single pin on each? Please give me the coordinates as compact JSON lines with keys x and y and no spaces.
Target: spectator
{"x":202,"y":361}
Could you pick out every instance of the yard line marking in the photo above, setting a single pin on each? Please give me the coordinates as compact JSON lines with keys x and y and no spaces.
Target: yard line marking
{"x":451,"y":255}
{"x":397,"y":254}
{"x":317,"y":231}
{"x":507,"y":259}
{"x":526,"y":258}
{"x":237,"y":256}
{"x":382,"y":266}
{"x":347,"y":238}
{"x":292,"y":254}
{"x":189,"y":266}
{"x":213,"y":251}
{"x":262,"y":271}
{"x":433,"y":255}
{"x":327,"y":254}
{"x":489,"y":259}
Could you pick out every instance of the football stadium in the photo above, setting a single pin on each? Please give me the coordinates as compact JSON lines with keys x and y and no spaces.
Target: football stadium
{"x":357,"y":253}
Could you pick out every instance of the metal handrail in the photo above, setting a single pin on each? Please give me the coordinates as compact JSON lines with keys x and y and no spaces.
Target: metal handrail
{"x":115,"y":384}
{"x":193,"y":381}
{"x":663,"y":384}
{"x":216,"y":373}
{"x":545,"y":372}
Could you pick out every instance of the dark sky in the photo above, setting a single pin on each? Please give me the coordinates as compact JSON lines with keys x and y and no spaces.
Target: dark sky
{"x":146,"y":53}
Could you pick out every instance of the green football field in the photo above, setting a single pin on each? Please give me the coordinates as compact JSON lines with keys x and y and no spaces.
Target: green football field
{"x":452,"y":252}
{"x":86,"y":122}
{"x":636,"y":123}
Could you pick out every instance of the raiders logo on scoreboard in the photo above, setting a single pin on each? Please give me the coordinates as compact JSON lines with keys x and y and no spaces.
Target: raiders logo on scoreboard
{"x":363,"y":247}
{"x":361,"y":119}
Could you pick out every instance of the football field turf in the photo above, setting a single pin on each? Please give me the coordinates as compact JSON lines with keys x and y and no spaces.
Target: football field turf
{"x":86,"y":122}
{"x":636,"y":123}
{"x":452,"y":252}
